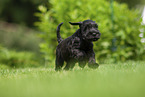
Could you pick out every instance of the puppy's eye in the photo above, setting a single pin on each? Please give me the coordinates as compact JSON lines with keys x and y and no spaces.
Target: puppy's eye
{"x":89,"y":26}
{"x":86,"y":28}
{"x":96,"y":26}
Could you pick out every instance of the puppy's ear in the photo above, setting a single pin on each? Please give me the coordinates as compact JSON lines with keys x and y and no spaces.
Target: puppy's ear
{"x":77,"y":23}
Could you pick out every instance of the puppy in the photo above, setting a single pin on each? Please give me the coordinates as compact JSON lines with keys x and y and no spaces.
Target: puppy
{"x":78,"y":47}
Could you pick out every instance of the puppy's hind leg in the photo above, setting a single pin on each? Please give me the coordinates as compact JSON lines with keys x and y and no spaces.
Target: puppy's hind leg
{"x":58,"y":63}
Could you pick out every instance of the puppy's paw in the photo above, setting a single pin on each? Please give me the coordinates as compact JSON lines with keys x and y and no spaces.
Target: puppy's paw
{"x":93,"y":66}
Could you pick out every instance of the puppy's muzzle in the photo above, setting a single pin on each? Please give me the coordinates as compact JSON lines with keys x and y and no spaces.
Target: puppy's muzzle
{"x":95,"y":34}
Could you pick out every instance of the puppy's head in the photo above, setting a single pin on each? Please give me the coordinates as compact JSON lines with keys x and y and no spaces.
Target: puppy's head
{"x":89,"y":30}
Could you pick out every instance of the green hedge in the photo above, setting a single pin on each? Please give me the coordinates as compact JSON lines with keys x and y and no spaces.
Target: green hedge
{"x":11,"y":58}
{"x":13,"y":36}
{"x":127,"y":23}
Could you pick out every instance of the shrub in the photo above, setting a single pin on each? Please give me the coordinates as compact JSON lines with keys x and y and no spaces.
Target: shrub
{"x":125,"y":33}
{"x":18,"y":59}
{"x":18,"y":37}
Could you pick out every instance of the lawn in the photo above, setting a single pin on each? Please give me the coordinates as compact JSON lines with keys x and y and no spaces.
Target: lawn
{"x":109,"y":80}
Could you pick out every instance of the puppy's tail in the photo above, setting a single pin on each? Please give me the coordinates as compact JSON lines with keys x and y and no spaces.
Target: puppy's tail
{"x":59,"y":39}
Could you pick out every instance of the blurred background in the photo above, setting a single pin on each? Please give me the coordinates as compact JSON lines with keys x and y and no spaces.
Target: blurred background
{"x":28,"y":37}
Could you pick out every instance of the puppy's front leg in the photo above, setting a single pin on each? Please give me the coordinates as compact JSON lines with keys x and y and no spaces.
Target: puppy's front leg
{"x":92,"y":62}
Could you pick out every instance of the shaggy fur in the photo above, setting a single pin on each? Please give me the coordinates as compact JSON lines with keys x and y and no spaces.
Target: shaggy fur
{"x":78,"y":47}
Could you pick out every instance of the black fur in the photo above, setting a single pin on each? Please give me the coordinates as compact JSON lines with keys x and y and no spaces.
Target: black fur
{"x":78,"y":47}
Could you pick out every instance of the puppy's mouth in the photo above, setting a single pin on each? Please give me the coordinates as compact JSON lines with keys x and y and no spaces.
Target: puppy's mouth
{"x":96,"y":37}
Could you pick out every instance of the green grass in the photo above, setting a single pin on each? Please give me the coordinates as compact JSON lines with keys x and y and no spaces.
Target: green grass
{"x":109,"y":80}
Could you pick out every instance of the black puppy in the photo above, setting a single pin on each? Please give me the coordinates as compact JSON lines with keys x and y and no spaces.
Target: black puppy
{"x":78,"y":47}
